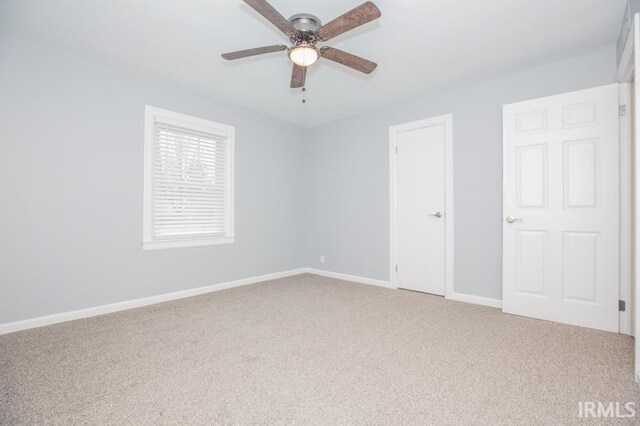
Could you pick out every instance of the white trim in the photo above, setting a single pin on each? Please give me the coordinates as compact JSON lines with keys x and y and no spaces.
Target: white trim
{"x":12,"y":327}
{"x":625,"y":75}
{"x":347,"y":277}
{"x":459,"y":297}
{"x":137,"y":303}
{"x":447,"y":121}
{"x":626,"y":209}
{"x":636,"y":164}
{"x":195,"y":242}
{"x":477,"y":300}
{"x":188,"y":121}
{"x":625,"y":67}
{"x":153,"y":114}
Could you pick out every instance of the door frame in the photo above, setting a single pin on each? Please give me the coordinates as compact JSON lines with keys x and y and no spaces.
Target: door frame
{"x":626,"y":210}
{"x":625,"y":75}
{"x":447,"y":121}
{"x":628,"y":71}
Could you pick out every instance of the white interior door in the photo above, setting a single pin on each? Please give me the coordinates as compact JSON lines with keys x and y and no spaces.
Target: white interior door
{"x":420,"y":207}
{"x":561,"y":208}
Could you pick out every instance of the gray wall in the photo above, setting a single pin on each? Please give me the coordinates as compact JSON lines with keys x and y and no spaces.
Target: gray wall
{"x":347,"y":188}
{"x":71,"y":147}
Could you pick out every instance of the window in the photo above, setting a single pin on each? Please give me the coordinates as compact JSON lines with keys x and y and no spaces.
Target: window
{"x":188,"y":181}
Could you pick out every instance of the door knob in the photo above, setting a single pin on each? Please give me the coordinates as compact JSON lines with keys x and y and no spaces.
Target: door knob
{"x":436,"y":214}
{"x":511,"y":219}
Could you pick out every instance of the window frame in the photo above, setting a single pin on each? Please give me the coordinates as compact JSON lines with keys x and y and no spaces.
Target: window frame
{"x":153,"y":115}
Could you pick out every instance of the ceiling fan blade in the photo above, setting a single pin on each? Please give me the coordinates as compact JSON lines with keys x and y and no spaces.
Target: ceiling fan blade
{"x":230,"y":56}
{"x":298,"y":76}
{"x":272,"y":15}
{"x":362,"y":14}
{"x":347,"y":59}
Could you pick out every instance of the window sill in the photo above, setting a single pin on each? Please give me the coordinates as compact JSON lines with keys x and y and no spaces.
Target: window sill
{"x":160,"y":245}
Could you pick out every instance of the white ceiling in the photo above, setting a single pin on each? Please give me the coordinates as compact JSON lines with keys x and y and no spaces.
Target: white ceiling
{"x":419,"y":45}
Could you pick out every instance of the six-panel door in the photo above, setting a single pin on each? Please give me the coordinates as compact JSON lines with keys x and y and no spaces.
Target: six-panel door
{"x":561,"y":208}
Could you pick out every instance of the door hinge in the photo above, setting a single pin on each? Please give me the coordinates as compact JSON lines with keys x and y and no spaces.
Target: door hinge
{"x":622,"y":305}
{"x":396,"y":268}
{"x":622,"y":110}
{"x":396,"y":149}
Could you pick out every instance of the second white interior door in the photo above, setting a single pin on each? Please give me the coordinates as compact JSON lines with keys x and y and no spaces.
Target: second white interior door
{"x":561,"y":208}
{"x":420,"y":208}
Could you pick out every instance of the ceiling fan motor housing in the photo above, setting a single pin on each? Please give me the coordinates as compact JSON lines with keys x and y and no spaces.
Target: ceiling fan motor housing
{"x":305,"y":22}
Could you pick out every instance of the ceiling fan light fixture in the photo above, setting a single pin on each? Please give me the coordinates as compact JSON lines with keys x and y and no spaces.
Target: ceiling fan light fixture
{"x":304,"y":55}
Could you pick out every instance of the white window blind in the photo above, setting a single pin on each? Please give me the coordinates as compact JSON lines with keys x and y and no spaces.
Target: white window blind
{"x":189,"y":200}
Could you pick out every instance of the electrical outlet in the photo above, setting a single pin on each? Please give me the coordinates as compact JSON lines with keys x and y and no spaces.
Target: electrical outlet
{"x":322,"y":258}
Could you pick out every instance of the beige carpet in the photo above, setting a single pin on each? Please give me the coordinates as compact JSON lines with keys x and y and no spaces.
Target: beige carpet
{"x":310,"y":350}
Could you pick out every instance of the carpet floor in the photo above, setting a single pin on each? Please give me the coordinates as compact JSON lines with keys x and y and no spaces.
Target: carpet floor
{"x":311,"y":350}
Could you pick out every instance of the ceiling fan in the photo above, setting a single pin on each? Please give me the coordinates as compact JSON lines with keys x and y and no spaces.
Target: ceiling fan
{"x":305,"y":31}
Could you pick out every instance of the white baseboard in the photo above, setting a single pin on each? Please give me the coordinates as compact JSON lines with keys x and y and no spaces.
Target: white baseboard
{"x":460,"y":297}
{"x":137,"y":303}
{"x":152,"y":300}
{"x":347,"y":277}
{"x":478,"y":300}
